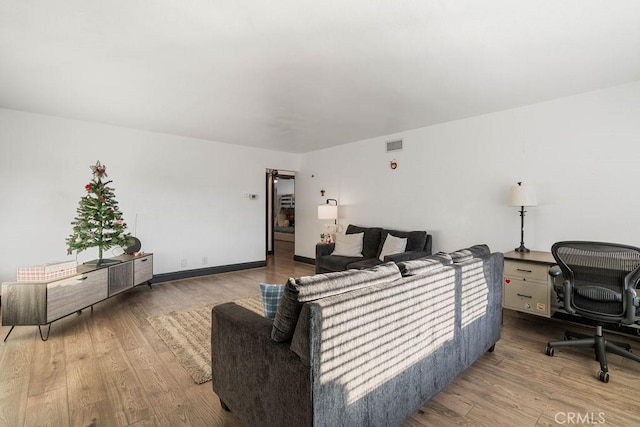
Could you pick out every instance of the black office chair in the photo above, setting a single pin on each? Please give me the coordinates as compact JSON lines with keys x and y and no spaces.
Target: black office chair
{"x":599,"y":283}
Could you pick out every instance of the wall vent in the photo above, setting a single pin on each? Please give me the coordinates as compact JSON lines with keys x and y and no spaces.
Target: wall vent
{"x":394,"y":145}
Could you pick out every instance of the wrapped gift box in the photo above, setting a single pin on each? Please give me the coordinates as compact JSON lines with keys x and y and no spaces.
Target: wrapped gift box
{"x":47,"y":272}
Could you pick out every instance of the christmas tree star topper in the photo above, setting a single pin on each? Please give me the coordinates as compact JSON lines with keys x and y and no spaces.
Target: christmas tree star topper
{"x":99,"y":171}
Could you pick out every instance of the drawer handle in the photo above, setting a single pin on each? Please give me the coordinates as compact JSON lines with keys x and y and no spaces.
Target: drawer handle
{"x":144,"y":260}
{"x":524,"y":296}
{"x":79,"y":279}
{"x":525,"y":271}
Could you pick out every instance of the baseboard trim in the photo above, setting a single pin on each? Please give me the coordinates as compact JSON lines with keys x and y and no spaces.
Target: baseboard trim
{"x":304,"y":259}
{"x":186,"y":274}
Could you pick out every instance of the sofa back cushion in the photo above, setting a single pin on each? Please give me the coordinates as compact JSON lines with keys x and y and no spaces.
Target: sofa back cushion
{"x":416,"y":240}
{"x":310,"y":288}
{"x":475,"y":251}
{"x":371,"y":241}
{"x":371,"y":335}
{"x":424,"y":265}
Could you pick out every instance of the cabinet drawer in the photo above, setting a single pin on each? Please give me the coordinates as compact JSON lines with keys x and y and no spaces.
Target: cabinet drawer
{"x":120,"y":277}
{"x":527,"y":270}
{"x":75,"y":293}
{"x":526,"y":296}
{"x":142,"y":270}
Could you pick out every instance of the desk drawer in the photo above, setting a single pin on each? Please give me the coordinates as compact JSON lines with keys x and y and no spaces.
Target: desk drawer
{"x":526,"y":270}
{"x":526,"y":296}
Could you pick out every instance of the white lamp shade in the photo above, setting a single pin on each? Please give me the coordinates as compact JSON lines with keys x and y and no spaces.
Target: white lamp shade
{"x":327,"y":212}
{"x":522,"y":195}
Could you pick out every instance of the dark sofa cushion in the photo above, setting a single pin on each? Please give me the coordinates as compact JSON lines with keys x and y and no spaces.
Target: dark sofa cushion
{"x":336,"y":262}
{"x":371,"y":241}
{"x":364,"y":263}
{"x":416,"y":240}
{"x":424,"y":265}
{"x":475,"y":251}
{"x":479,"y":250}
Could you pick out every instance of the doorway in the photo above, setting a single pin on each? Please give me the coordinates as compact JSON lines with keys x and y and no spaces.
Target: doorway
{"x":280,"y":211}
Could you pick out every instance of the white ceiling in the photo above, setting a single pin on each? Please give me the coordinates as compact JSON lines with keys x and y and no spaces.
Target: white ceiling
{"x":299,"y":75}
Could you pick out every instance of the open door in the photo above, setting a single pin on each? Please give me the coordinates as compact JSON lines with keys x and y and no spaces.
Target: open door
{"x":280,"y":210}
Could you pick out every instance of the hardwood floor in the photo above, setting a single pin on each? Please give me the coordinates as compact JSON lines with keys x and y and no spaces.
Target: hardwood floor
{"x":110,"y":368}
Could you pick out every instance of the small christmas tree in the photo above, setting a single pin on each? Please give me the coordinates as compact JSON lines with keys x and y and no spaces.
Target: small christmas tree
{"x":99,"y":222}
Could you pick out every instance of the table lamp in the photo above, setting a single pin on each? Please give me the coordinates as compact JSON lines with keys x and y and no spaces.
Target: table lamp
{"x":522,"y":195}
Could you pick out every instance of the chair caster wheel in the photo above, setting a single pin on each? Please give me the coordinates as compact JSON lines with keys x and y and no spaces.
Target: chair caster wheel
{"x":549,"y":351}
{"x":603,"y":376}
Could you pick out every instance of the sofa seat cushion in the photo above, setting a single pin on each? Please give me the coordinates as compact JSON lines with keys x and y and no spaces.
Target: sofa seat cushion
{"x":364,"y":263}
{"x":310,"y":288}
{"x":416,"y":240}
{"x":336,"y":262}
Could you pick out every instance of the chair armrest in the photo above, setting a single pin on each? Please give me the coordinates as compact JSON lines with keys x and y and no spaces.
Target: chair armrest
{"x":406,"y":256}
{"x":555,"y":271}
{"x":323,"y":249}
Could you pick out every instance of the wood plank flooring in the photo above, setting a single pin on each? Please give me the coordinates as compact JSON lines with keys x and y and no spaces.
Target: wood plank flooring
{"x":110,"y":368}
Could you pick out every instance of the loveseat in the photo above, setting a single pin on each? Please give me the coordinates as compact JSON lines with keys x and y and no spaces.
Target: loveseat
{"x":418,"y":246}
{"x":359,"y":347}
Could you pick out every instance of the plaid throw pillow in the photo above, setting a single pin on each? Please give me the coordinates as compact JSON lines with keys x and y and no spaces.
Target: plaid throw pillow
{"x":271,"y":295}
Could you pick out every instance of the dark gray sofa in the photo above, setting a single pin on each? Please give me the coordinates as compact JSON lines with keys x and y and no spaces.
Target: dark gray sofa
{"x":370,"y":356}
{"x":418,"y":246}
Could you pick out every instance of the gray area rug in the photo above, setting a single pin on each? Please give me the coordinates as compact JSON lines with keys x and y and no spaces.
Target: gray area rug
{"x":187,"y":333}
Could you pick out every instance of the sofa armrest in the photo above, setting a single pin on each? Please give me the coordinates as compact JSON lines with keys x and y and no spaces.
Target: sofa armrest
{"x":254,"y":375}
{"x":323,"y":249}
{"x":406,"y":256}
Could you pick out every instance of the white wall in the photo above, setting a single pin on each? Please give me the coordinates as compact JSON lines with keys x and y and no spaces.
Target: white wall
{"x":453,"y":179}
{"x":580,"y":152}
{"x":187,"y":194}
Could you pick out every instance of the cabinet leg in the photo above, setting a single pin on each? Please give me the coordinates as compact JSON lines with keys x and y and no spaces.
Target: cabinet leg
{"x":10,"y":330}
{"x":48,"y":332}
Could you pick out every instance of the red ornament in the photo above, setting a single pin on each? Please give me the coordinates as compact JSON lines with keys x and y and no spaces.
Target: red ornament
{"x":88,"y":187}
